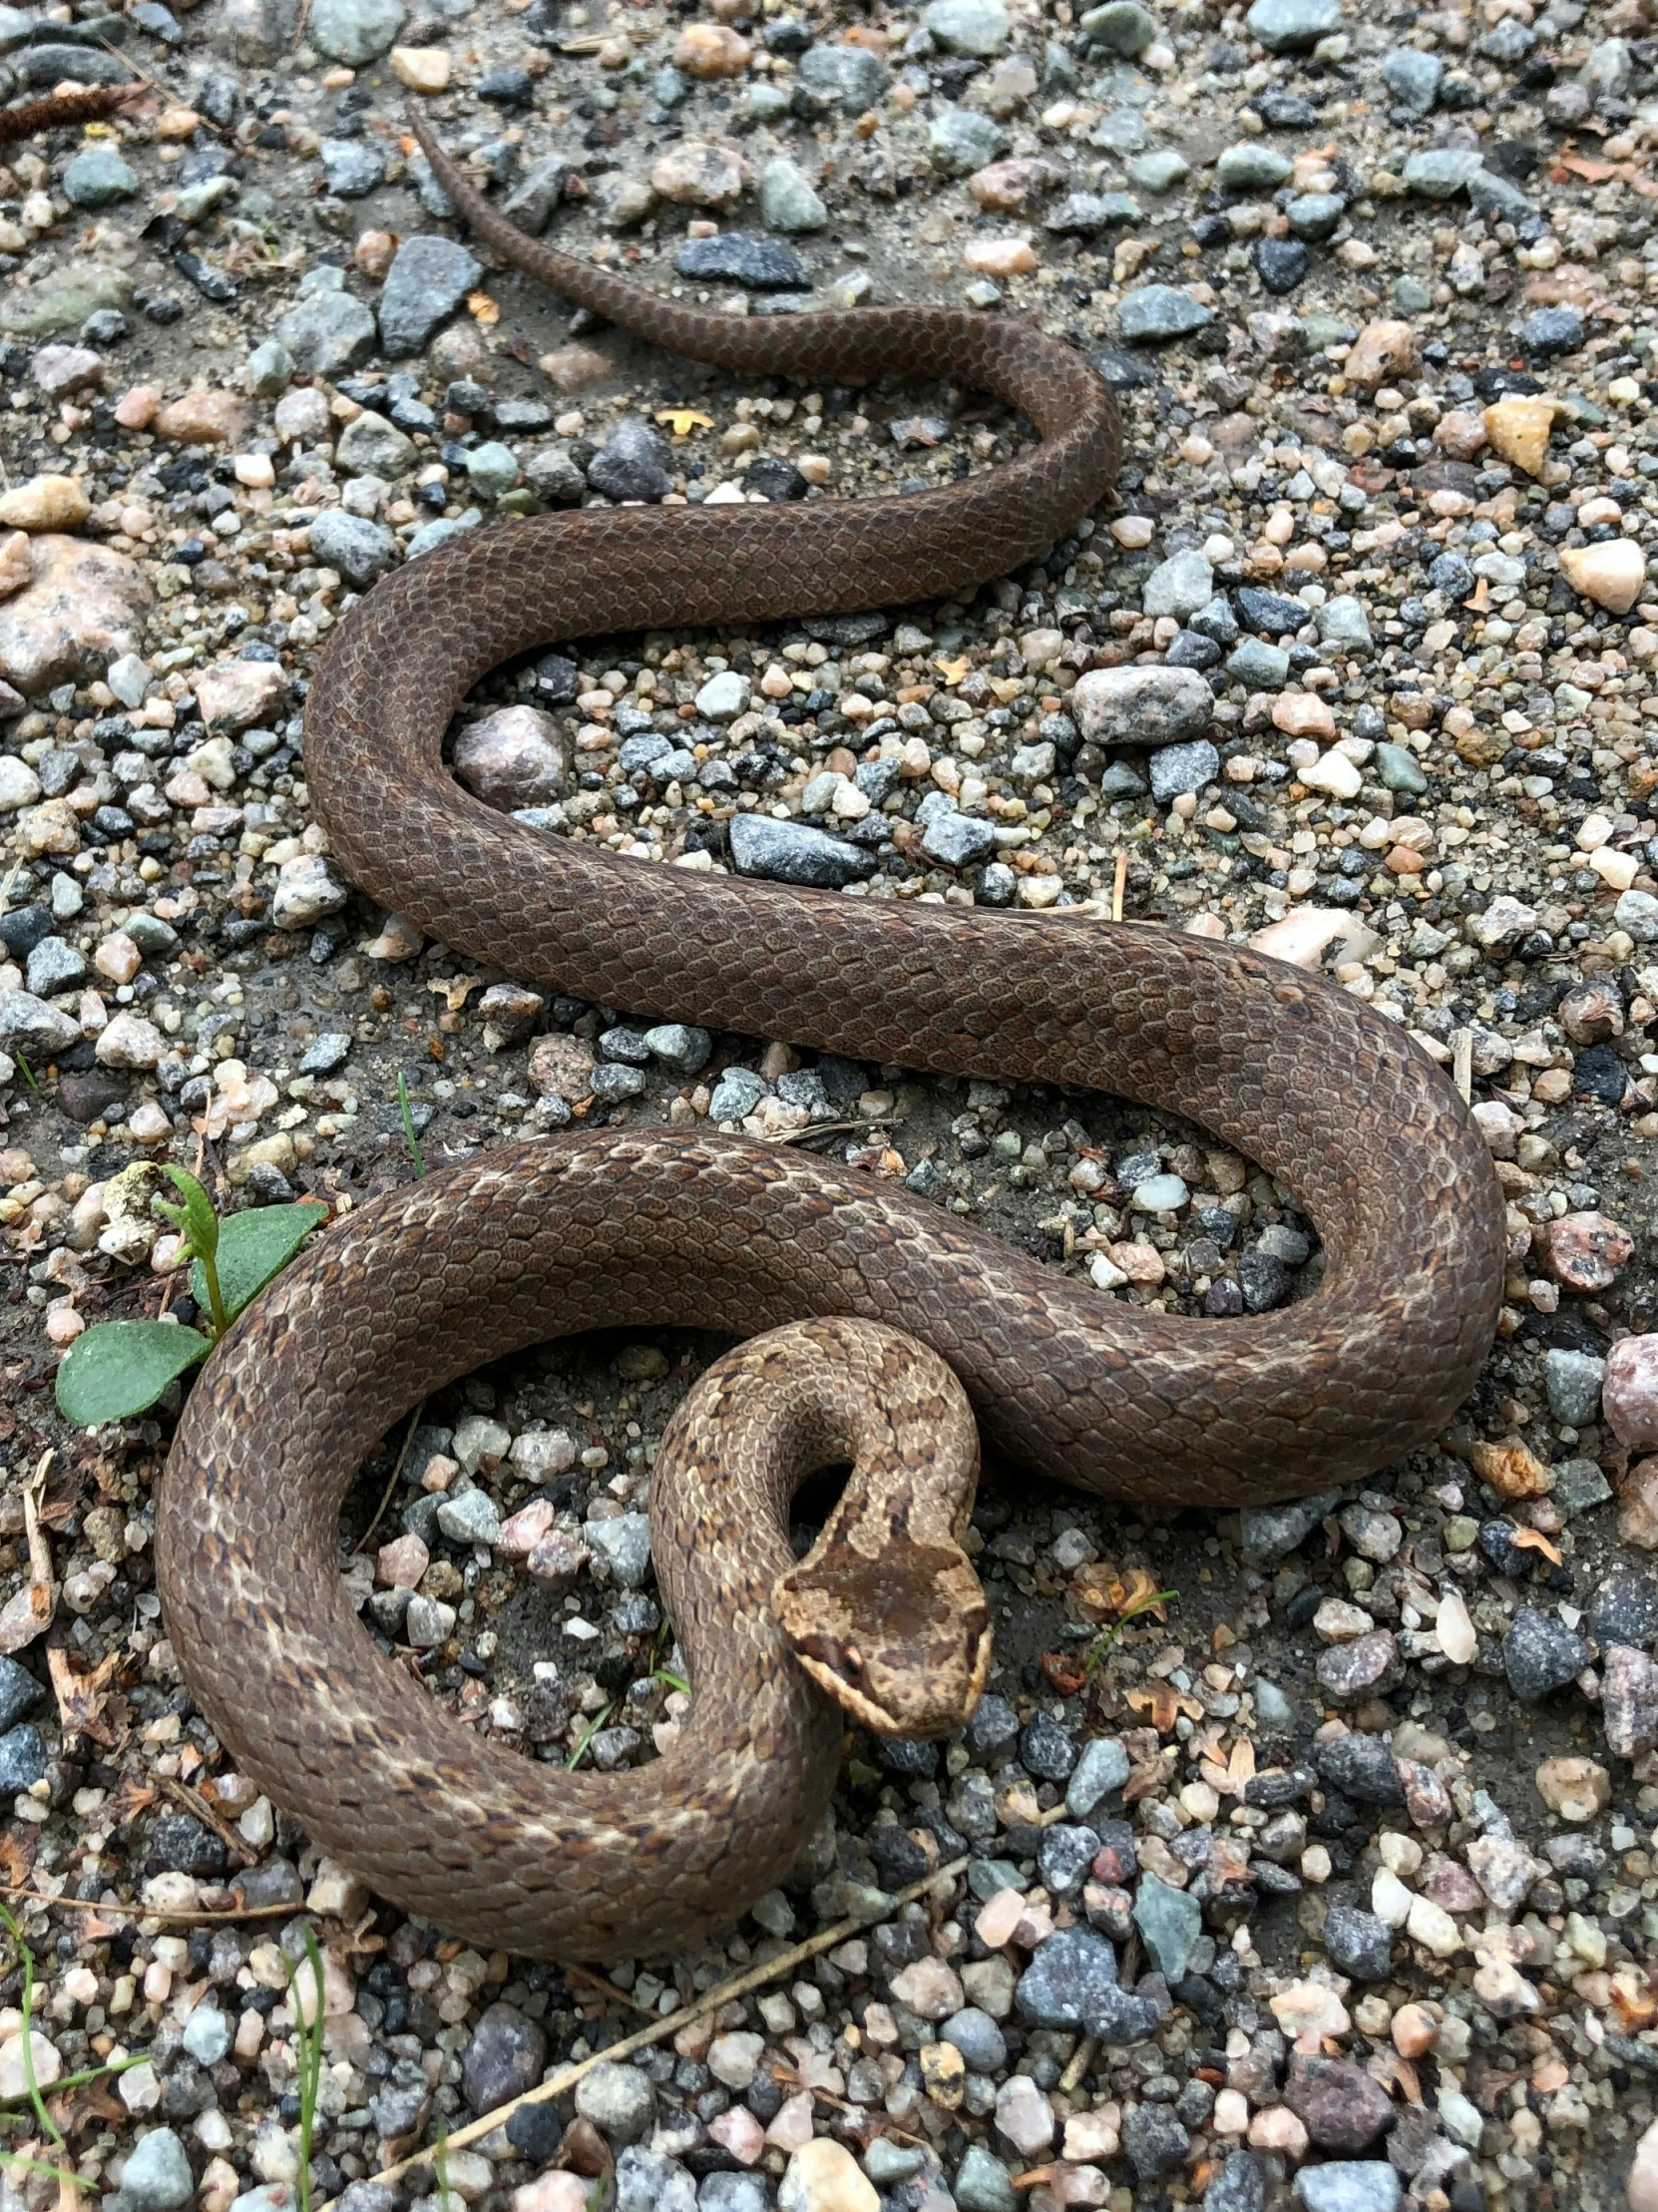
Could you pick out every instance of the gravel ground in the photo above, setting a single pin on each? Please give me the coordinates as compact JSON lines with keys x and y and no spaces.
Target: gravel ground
{"x":1334,"y":1879}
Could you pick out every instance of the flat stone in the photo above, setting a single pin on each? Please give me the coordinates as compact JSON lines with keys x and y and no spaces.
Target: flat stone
{"x":1155,"y":314}
{"x":355,"y":32}
{"x":85,"y":606}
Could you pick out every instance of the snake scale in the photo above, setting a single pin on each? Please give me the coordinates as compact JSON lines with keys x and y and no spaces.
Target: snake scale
{"x":649,"y":1228}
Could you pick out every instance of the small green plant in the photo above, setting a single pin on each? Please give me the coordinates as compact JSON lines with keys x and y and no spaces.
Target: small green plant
{"x":309,"y":2035}
{"x":27,"y":1072}
{"x":119,"y":1368}
{"x":1147,"y":1601}
{"x":26,"y":2006}
{"x":409,"y":1136}
{"x":588,"y":1733}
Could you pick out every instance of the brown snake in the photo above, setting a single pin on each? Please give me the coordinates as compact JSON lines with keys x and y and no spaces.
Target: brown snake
{"x":646,"y":1227}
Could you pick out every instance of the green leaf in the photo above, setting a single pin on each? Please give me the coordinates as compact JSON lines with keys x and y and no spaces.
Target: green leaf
{"x":253,"y":1246}
{"x":119,"y":1368}
{"x":195,"y":1216}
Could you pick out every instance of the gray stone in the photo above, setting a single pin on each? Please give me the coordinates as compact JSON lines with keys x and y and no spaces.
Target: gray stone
{"x":760,"y":265}
{"x":351,"y":168}
{"x":851,"y":76}
{"x":1359,"y":1943}
{"x":1350,"y":2185}
{"x":470,"y":1517}
{"x":1065,"y":1857}
{"x":325,"y":1054}
{"x":1178,"y":768}
{"x":491,"y":467}
{"x":28,"y":1025}
{"x":1160,"y":172}
{"x":207,"y":2034}
{"x":1252,"y":166}
{"x":355,"y":32}
{"x":359,"y":548}
{"x":1262,"y":667}
{"x":1314,"y":215}
{"x":369,"y":445}
{"x":982,"y":2183}
{"x":1341,"y":621}
{"x":625,"y":1540}
{"x":1291,"y":26}
{"x":1046,"y":1750}
{"x":958,"y":841}
{"x":1637,"y":912}
{"x":1071,"y":1983}
{"x":961,"y":138}
{"x":1540,"y":1654}
{"x":428,"y":279}
{"x":156,"y":2175}
{"x":1178,"y":585}
{"x":793,"y":852}
{"x":994,"y":1730}
{"x":1153,"y":2140}
{"x":1236,"y":2186}
{"x":19,"y":1693}
{"x":327,"y":332}
{"x":1361,"y":1767}
{"x":504,"y":2059}
{"x":55,"y":964}
{"x":978,"y":28}
{"x":1081,"y":214}
{"x":787,"y":200}
{"x":1441,"y":171}
{"x":1578,"y":1485}
{"x":1157,"y":313}
{"x":1572,"y":1381}
{"x":1272,"y":1532}
{"x":22,"y":1758}
{"x":737,"y":1094}
{"x":440,"y":530}
{"x":619,"y":2099}
{"x":646,"y":2181}
{"x":978,"y":2038}
{"x":98,"y":176}
{"x":1122,"y":25}
{"x":1152,"y":706}
{"x":269,"y":369}
{"x":677,"y":1046}
{"x":631,"y":463}
{"x":531,"y":201}
{"x":1398,"y":769}
{"x":1414,"y":77}
{"x":1170,"y":1922}
{"x":1493,"y":196}
{"x":1101,"y":1770}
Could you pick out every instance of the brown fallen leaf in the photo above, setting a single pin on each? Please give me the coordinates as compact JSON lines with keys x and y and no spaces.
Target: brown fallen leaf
{"x":1163,"y":1705}
{"x":1066,"y":1672}
{"x":82,"y":1695}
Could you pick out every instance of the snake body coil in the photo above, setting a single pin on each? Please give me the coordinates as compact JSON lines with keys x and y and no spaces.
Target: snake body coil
{"x":643,"y":1227}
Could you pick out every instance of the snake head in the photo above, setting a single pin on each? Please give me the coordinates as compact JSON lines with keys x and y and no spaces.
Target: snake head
{"x":901,"y":1637}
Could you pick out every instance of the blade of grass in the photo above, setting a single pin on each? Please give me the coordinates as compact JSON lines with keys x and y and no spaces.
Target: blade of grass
{"x":409,"y":1136}
{"x":27,"y":1072}
{"x":309,"y":2035}
{"x":592,"y":1729}
{"x":26,"y":2006}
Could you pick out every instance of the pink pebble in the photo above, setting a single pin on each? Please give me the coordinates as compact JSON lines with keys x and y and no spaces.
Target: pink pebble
{"x":136,"y":408}
{"x":739,"y":2133}
{"x":1629,"y":1396}
{"x":400,"y":1563}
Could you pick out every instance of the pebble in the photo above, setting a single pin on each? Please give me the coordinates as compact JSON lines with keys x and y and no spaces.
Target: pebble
{"x":359,"y":548}
{"x":960,"y":139}
{"x":1641,"y":2187}
{"x":1361,"y":1767}
{"x":1071,"y":1983}
{"x":761,"y":264}
{"x":1613,"y":574}
{"x":1153,"y":2141}
{"x":1102,"y":1769}
{"x":1236,"y":2186}
{"x":1575,"y":1788}
{"x":982,"y":2182}
{"x":1155,"y":313}
{"x":429,"y":277}
{"x":355,"y":32}
{"x":788,"y":201}
{"x":1350,"y":2185}
{"x":98,"y":176}
{"x":85,"y":606}
{"x":1360,"y":1944}
{"x":22,"y":1758}
{"x":979,"y":2040}
{"x":1629,"y":1701}
{"x":619,"y":2099}
{"x":156,"y":2175}
{"x":1574,"y":1383}
{"x":823,"y":2176}
{"x":45,"y":503}
{"x":979,"y":28}
{"x":1290,"y":26}
{"x":1170,"y":1922}
{"x":1176,"y":769}
{"x":850,"y":76}
{"x":793,"y":852}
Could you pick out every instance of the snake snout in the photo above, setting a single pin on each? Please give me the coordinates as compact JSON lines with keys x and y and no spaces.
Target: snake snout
{"x":901,"y":1641}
